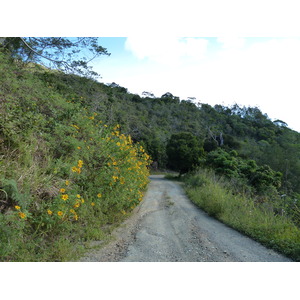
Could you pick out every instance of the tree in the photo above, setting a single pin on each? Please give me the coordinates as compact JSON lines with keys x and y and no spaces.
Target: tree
{"x":71,"y":55}
{"x":148,"y":95}
{"x":224,"y":163}
{"x":265,"y":177}
{"x":184,"y":152}
{"x":168,"y":97}
{"x":280,"y":123}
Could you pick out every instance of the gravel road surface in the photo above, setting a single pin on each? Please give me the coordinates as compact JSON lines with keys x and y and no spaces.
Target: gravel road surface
{"x":168,"y":227}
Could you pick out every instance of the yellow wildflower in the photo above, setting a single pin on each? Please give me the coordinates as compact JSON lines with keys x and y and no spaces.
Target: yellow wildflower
{"x":22,"y":215}
{"x":75,"y":126}
{"x":80,"y":163}
{"x":78,"y":196}
{"x":67,"y":182}
{"x":17,"y":207}
{"x":74,"y":169}
{"x":93,"y":204}
{"x":62,"y":190}
{"x":99,"y":195}
{"x":65,"y":197}
{"x":82,"y":200}
{"x":60,"y":213}
{"x":78,"y":148}
{"x":72,"y":211}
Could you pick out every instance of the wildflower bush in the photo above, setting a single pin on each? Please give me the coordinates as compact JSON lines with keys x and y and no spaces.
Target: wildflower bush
{"x":64,"y":174}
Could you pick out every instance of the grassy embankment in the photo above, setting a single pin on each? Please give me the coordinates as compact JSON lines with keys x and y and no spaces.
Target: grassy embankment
{"x":219,"y":199}
{"x":64,"y":174}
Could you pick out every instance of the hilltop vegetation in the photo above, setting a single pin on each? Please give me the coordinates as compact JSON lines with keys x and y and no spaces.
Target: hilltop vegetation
{"x":74,"y":154}
{"x":64,"y":173}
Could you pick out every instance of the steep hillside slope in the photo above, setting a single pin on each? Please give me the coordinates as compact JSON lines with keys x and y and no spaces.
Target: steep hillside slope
{"x":64,"y":173}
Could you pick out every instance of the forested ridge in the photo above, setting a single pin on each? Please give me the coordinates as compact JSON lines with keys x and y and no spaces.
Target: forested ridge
{"x":68,"y":140}
{"x":247,"y":130}
{"x":238,"y":142}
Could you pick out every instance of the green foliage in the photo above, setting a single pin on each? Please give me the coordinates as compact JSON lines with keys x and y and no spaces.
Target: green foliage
{"x":9,"y":195}
{"x":157,"y":150}
{"x":218,"y":198}
{"x":64,"y":173}
{"x":223,"y":162}
{"x":184,"y":152}
{"x":262,"y":178}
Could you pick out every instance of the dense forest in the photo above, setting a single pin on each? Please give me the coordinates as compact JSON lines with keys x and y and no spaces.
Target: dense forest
{"x":48,"y":115}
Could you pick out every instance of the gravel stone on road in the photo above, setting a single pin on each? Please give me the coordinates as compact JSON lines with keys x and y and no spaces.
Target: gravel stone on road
{"x":168,"y":227}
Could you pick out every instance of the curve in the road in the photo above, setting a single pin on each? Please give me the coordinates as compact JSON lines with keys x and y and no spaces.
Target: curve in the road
{"x":174,"y":229}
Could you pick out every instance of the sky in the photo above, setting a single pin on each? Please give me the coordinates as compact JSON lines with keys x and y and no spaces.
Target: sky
{"x":263,"y":72}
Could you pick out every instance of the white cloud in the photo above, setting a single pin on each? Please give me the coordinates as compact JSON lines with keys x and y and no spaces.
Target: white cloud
{"x":265,"y":73}
{"x":167,"y":50}
{"x":231,"y":42}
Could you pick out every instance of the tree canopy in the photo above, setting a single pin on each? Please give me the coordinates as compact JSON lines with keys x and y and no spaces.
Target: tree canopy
{"x":184,"y":152}
{"x":71,"y":55}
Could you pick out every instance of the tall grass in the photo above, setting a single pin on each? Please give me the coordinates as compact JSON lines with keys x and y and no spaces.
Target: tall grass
{"x":215,"y":195}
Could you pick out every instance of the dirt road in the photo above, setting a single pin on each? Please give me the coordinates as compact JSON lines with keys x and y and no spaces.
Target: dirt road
{"x":167,"y":227}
